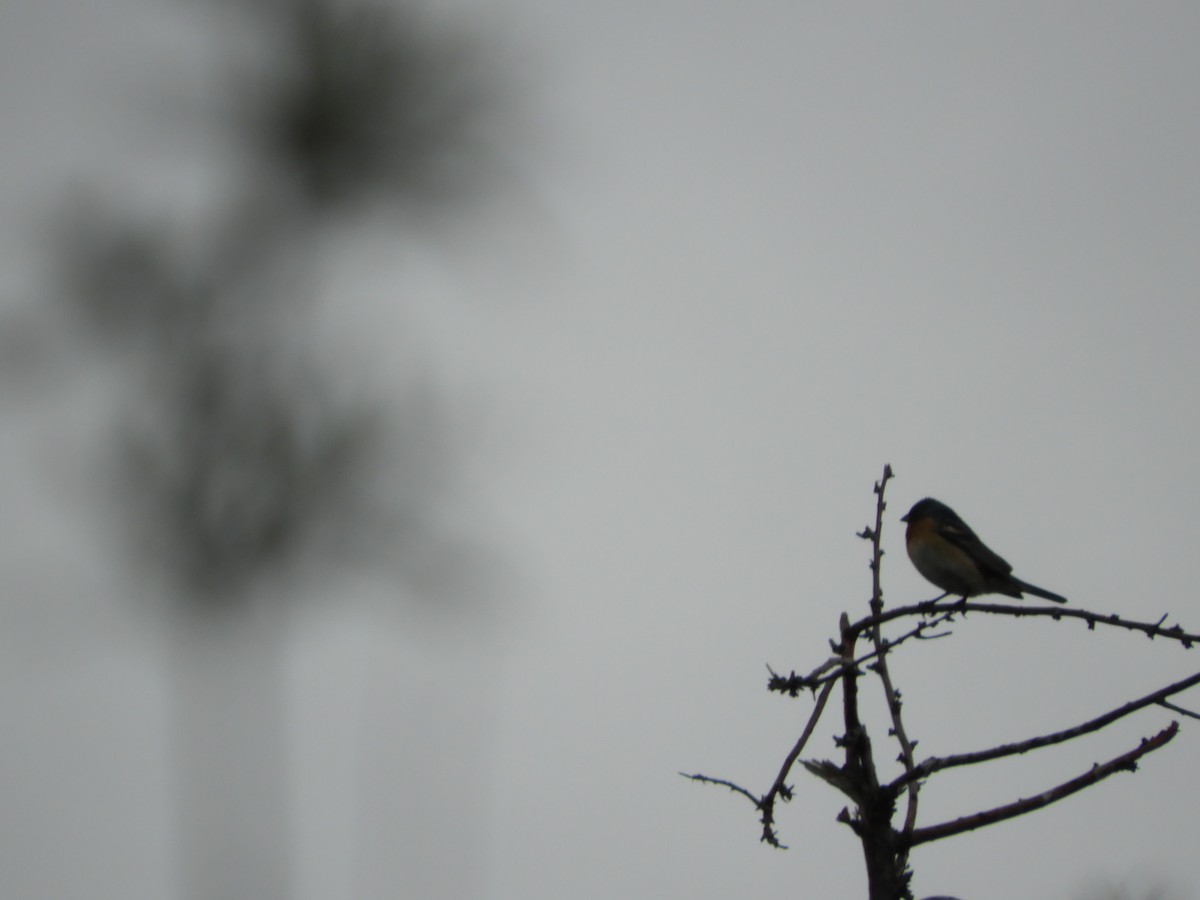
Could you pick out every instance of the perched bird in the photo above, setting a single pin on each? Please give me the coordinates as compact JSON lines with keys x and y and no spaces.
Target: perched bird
{"x":947,"y":553}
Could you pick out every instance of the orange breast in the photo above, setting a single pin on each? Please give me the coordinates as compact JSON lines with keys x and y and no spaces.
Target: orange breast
{"x":942,"y":563}
{"x":917,"y":530}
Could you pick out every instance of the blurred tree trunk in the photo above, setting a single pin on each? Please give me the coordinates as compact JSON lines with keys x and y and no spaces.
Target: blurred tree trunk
{"x":231,"y":755}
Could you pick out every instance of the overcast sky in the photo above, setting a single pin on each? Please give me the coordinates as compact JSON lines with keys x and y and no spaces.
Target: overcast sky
{"x":752,"y":252}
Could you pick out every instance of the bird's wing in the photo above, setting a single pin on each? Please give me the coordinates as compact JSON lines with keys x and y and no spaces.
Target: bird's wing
{"x":960,"y":535}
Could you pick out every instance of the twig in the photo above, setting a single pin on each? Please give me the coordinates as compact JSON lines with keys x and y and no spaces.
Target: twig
{"x":1178,"y":709}
{"x":736,"y":788}
{"x":1126,"y":762}
{"x":792,"y":684}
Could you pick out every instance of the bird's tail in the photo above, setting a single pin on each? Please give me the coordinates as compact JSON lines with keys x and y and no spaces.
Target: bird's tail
{"x":1027,"y":588}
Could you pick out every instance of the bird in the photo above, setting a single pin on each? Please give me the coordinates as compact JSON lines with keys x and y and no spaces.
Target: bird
{"x":947,"y":553}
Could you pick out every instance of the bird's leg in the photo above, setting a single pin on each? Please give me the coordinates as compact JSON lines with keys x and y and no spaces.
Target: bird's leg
{"x":927,"y":604}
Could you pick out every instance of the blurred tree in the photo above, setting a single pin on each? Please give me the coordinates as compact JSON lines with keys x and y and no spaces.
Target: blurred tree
{"x":361,"y":103}
{"x":240,"y":460}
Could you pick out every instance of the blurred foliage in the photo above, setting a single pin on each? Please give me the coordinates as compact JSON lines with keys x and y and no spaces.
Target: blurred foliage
{"x":362,"y":102}
{"x":121,"y":277}
{"x":239,"y":449}
{"x":245,"y":466}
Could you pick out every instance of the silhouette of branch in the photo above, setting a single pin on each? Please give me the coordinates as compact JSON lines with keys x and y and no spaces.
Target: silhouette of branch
{"x":886,"y":860}
{"x":736,"y":788}
{"x":792,"y":683}
{"x":780,"y":788}
{"x":1178,"y":709}
{"x":766,"y":803}
{"x":949,"y":608}
{"x":936,"y":764}
{"x":1125,"y":762}
{"x":881,"y":649}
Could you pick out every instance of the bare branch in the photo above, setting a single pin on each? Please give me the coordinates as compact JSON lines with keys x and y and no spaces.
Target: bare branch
{"x":936,"y":764}
{"x":887,"y":870}
{"x":736,"y":788}
{"x":1125,"y":762}
{"x":792,"y":684}
{"x":766,"y":804}
{"x":881,"y":650}
{"x":780,"y":788}
{"x":1150,"y":629}
{"x":1178,"y":709}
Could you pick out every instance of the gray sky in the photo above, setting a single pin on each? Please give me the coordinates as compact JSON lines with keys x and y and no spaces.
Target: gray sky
{"x":757,"y":251}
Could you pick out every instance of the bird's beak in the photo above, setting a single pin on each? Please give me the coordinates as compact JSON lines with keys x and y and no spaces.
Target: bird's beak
{"x":904,"y":518}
